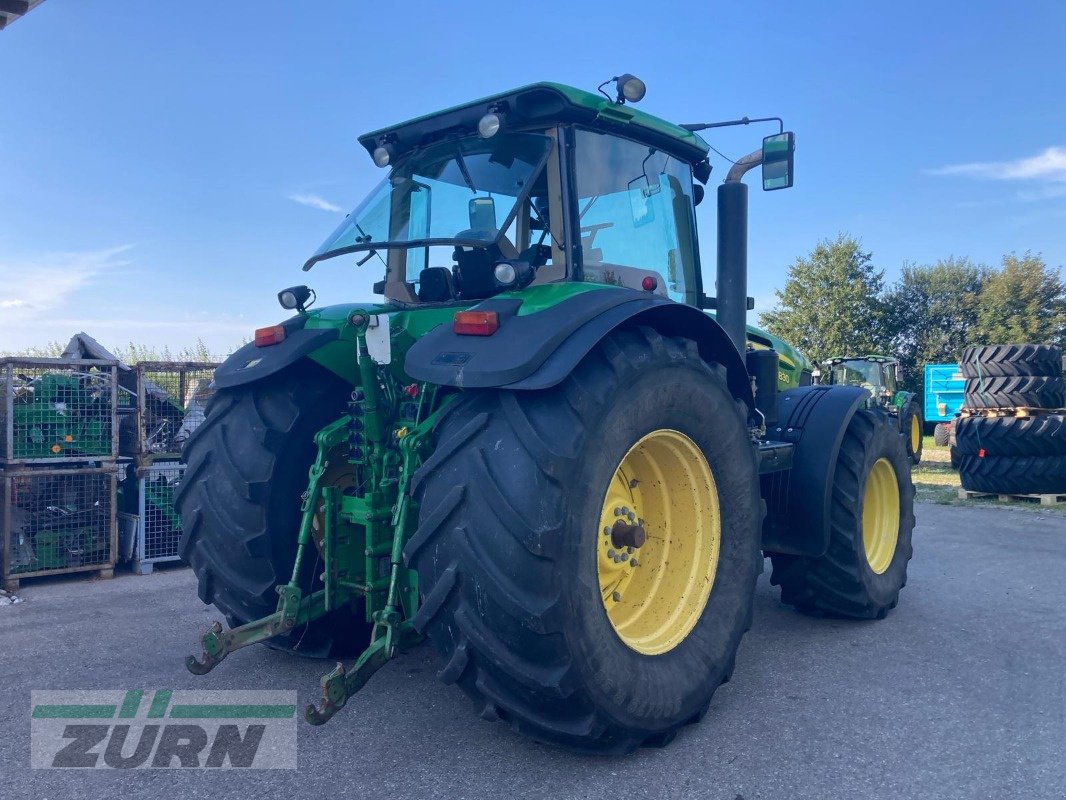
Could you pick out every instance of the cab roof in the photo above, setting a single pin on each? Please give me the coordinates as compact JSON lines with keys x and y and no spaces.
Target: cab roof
{"x":542,"y":103}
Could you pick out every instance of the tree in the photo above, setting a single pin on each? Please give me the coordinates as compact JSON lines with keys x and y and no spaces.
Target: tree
{"x":931,"y":313}
{"x":1024,"y":302}
{"x":830,"y":304}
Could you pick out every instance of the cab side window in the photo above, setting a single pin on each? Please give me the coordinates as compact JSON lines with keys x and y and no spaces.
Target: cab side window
{"x":636,"y":215}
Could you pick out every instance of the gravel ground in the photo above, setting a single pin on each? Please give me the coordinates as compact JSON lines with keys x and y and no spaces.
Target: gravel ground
{"x":961,"y":692}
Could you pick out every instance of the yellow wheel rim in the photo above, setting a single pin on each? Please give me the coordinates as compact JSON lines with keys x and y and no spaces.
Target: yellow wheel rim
{"x":658,"y":542}
{"x":916,"y":434}
{"x":880,"y":516}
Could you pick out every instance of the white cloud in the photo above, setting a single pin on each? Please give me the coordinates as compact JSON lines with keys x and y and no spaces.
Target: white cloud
{"x":41,"y":284}
{"x":314,"y":201}
{"x":1049,"y":165}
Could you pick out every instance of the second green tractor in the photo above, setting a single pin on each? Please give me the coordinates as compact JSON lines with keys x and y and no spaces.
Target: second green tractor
{"x":879,"y":375}
{"x":544,"y":447}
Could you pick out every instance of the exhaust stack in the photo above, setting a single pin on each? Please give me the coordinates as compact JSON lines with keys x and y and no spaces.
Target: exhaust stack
{"x":731,"y":295}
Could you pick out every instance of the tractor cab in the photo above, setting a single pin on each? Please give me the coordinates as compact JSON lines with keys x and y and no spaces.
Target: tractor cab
{"x":875,"y":374}
{"x":540,"y":185}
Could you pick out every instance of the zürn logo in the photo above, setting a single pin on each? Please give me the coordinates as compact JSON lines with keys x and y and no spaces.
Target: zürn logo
{"x":163,"y":729}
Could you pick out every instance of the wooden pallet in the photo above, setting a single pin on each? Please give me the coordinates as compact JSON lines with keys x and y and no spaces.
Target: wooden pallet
{"x":1006,"y":497}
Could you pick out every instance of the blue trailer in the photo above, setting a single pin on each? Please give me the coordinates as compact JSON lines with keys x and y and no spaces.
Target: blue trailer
{"x":943,"y":392}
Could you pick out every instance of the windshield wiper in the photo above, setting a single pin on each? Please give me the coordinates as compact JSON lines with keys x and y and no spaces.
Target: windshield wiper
{"x":462,"y":167}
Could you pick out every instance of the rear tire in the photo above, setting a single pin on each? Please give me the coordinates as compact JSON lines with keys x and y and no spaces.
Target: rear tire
{"x":239,"y":503}
{"x":1043,"y":435}
{"x":1009,"y":360}
{"x":508,"y":547}
{"x":1013,"y":474}
{"x":852,"y":579}
{"x":1026,"y":392}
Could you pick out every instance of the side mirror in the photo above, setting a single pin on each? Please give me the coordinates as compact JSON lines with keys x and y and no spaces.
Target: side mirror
{"x":482,"y":211}
{"x":778,"y":153}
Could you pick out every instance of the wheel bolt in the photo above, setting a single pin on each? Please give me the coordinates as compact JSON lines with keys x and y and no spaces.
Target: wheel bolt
{"x":633,"y":562}
{"x":629,"y":549}
{"x":616,"y":596}
{"x":610,"y":554}
{"x":618,"y":512}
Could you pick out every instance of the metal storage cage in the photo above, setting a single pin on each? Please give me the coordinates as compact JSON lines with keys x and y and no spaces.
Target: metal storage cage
{"x":158,"y":528}
{"x":57,"y":520}
{"x":169,"y":400}
{"x":54,"y":409}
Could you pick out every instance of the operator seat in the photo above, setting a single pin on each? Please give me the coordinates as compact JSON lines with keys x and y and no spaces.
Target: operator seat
{"x":436,"y":285}
{"x":473,"y":272}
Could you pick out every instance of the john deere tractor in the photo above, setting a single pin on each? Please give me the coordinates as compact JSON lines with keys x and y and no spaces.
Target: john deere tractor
{"x":537,"y":449}
{"x":879,"y":375}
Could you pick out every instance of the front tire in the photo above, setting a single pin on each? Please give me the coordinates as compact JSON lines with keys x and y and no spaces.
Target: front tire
{"x":911,"y":428}
{"x":872,"y":517}
{"x":511,"y":547}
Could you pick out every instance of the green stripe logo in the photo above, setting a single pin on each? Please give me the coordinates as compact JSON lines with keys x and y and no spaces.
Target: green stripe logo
{"x":159,"y":708}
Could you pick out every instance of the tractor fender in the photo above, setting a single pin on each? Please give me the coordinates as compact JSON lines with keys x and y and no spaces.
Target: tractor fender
{"x":813,"y":419}
{"x":251,"y":363}
{"x":537,"y":351}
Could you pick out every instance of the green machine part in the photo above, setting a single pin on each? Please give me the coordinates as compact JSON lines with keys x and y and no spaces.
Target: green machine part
{"x":385,"y":434}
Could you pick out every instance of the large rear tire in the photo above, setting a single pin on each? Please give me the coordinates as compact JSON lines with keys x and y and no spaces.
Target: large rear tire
{"x":1011,"y":360}
{"x":524,"y":594}
{"x":1013,"y":474}
{"x":1043,"y":435}
{"x":239,"y":502}
{"x":872,"y":518}
{"x":1025,"y":392}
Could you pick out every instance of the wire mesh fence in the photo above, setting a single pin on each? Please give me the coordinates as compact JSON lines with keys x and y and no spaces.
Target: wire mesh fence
{"x":55,"y":409}
{"x":169,"y":401}
{"x":54,"y":521}
{"x":159,"y":528}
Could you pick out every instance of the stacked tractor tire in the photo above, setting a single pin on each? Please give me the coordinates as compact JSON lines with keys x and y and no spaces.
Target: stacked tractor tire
{"x":1011,"y":435}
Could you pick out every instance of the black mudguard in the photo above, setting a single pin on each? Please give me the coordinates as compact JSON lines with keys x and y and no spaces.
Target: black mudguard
{"x":251,"y":363}
{"x":539,"y":350}
{"x":813,"y":419}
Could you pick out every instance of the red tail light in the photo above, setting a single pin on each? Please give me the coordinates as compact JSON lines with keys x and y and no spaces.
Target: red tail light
{"x":264,"y":337}
{"x":476,"y":323}
{"x":981,"y":453}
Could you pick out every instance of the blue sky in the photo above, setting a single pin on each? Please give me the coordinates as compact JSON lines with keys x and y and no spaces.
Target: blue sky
{"x":166,"y":169}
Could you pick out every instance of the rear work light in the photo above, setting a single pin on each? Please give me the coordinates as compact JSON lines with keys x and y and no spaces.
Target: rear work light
{"x":264,"y":337}
{"x":476,"y":323}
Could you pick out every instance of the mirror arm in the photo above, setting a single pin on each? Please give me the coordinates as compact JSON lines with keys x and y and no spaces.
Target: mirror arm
{"x":702,"y":126}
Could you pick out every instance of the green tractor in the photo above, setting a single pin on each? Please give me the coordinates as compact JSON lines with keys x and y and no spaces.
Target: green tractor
{"x":879,"y":375}
{"x":537,"y":449}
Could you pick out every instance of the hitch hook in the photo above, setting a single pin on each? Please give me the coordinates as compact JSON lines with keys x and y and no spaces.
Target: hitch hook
{"x":215,"y":650}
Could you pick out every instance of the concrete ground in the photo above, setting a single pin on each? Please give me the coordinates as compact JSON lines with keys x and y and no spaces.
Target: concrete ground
{"x":960,"y":693}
